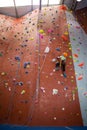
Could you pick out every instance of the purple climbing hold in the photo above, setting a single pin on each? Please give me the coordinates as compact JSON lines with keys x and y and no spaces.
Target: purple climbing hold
{"x":25,"y":64}
{"x":17,"y":58}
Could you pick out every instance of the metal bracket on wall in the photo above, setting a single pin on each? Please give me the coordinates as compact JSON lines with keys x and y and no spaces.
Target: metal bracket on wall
{"x":63,"y":1}
{"x":48,"y":3}
{"x":31,"y":5}
{"x":15,"y":9}
{"x":40,"y":5}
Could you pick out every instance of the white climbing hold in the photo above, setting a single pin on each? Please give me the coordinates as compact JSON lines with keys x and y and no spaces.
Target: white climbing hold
{"x":47,"y":50}
{"x":55,"y":91}
{"x":53,"y":60}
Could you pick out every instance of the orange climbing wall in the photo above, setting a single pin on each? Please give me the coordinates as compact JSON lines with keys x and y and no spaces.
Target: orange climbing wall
{"x":33,"y":103}
{"x":18,"y":39}
{"x":59,"y":109}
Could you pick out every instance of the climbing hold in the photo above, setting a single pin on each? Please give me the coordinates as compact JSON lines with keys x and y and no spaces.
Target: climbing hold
{"x":81,"y":64}
{"x":64,"y":74}
{"x":53,"y":60}
{"x":17,"y":58}
{"x":75,"y":55}
{"x":41,"y":31}
{"x":9,"y":88}
{"x":63,"y":7}
{"x":54,"y":38}
{"x":6,"y":84}
{"x":64,"y":37}
{"x":26,"y":64}
{"x":85,"y":93}
{"x":3,"y":73}
{"x":23,"y":92}
{"x":70,"y":56}
{"x":63,"y":108}
{"x":54,"y":118}
{"x":20,"y":83}
{"x":58,"y":82}
{"x":65,"y":54}
{"x":70,"y":63}
{"x":26,"y":72}
{"x":50,"y":31}
{"x":73,"y":96}
{"x":80,"y":77}
{"x":58,"y":49}
{"x":70,"y":49}
{"x":43,"y":89}
{"x":1,"y":54}
{"x":72,"y":80}
{"x":51,"y":74}
{"x":66,"y":33}
{"x":31,"y":38}
{"x":78,"y":27}
{"x":55,"y":91}
{"x":14,"y":79}
{"x":65,"y":88}
{"x":78,"y":49}
{"x":41,"y":36}
{"x":47,"y":50}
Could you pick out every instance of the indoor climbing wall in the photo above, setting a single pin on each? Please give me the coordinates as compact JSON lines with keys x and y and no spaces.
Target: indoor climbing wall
{"x":58,"y":103}
{"x":31,"y":91}
{"x":18,"y":67}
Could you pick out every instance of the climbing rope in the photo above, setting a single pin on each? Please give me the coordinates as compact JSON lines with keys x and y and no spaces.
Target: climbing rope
{"x":35,"y":95}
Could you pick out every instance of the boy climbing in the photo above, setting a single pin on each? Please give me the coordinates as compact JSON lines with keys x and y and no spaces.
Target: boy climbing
{"x":63,"y":64}
{"x":57,"y":66}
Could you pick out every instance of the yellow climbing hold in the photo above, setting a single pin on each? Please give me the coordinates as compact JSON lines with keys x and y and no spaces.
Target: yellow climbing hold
{"x":41,"y":31}
{"x":66,"y":33}
{"x":68,"y":25}
{"x":3,"y":73}
{"x":31,"y":38}
{"x":41,"y":21}
{"x":23,"y":92}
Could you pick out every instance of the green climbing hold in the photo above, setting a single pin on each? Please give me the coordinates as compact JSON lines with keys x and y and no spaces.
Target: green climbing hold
{"x":70,"y":56}
{"x":1,"y":54}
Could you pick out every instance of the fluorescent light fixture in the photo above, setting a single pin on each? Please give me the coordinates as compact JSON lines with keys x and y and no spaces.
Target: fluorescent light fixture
{"x":44,"y":2}
{"x":22,"y":2}
{"x":10,"y":3}
{"x":6,"y":3}
{"x":54,"y":2}
{"x":79,"y":0}
{"x":36,"y":2}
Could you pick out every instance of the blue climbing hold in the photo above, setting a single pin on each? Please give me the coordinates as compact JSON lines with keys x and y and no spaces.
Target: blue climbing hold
{"x":57,"y":49}
{"x":64,"y":74}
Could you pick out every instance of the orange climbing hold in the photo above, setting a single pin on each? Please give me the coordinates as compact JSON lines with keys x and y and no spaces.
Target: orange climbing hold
{"x":64,"y":37}
{"x":65,"y":54}
{"x":63,"y":7}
